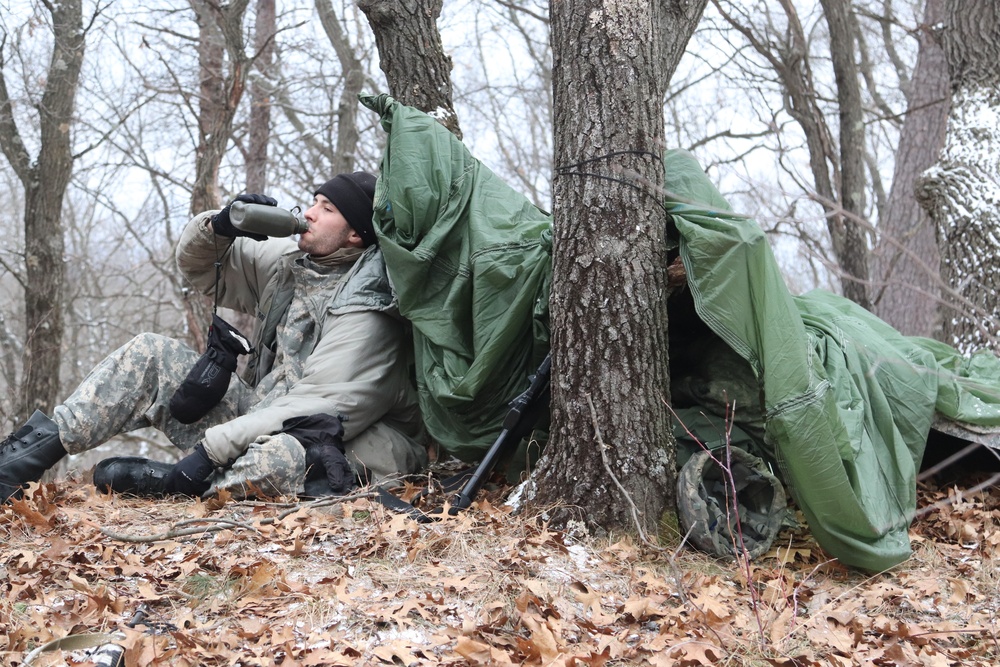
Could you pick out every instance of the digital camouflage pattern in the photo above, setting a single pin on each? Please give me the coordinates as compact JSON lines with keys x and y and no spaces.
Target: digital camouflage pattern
{"x":729,"y":503}
{"x":131,"y":389}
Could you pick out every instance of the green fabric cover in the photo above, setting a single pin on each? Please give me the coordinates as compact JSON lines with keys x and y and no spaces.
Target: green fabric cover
{"x":848,"y":400}
{"x":470,"y":260}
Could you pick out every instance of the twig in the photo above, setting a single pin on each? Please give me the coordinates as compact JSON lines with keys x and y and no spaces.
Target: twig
{"x":941,"y":504}
{"x":607,"y":468}
{"x":179,"y":529}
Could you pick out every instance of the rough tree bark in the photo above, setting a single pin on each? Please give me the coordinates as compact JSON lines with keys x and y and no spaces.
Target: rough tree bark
{"x":406,"y":33}
{"x":610,"y":387}
{"x":961,"y":193}
{"x":907,"y":262}
{"x":45,"y":179}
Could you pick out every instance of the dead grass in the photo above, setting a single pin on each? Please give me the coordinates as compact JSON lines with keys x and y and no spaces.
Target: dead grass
{"x":352,"y":583}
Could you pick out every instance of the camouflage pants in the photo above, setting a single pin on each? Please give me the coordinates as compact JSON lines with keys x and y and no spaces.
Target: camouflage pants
{"x":131,"y":389}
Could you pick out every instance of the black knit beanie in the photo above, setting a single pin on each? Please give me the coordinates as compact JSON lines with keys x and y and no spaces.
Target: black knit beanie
{"x":352,"y":194}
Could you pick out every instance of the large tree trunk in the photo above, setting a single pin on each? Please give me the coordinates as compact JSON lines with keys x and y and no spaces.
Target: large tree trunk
{"x":907,"y":262}
{"x":611,"y":444}
{"x":962,"y":191}
{"x":45,"y":180}
{"x":412,"y":57}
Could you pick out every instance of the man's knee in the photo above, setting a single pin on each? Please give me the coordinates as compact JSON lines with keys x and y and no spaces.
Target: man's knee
{"x":274,"y":465}
{"x":382,"y":453}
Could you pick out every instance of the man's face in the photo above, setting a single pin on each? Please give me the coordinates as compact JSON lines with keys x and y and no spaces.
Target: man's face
{"x":328,"y":230}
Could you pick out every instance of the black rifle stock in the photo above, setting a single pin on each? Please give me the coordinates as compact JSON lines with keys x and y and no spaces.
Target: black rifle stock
{"x":518,"y":422}
{"x":520,"y":419}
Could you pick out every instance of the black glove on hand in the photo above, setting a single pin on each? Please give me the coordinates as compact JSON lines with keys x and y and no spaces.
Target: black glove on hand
{"x":322,"y":436}
{"x":208,"y":380}
{"x":190,"y":476}
{"x":223,"y":226}
{"x":333,"y":464}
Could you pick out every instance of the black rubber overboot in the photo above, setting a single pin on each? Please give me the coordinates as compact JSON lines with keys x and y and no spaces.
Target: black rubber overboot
{"x":318,"y":488}
{"x":132,"y":474}
{"x":27,"y":453}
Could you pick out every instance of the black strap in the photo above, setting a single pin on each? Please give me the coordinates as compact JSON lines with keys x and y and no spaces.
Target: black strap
{"x":401,"y":506}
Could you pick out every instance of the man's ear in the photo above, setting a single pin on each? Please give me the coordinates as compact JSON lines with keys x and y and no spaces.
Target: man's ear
{"x":354,"y":240}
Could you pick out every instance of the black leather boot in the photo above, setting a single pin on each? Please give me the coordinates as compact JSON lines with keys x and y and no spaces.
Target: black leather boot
{"x":27,"y":453}
{"x":132,"y":474}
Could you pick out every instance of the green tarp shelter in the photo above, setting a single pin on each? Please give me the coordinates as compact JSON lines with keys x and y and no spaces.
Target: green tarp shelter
{"x":470,"y":260}
{"x":847,"y":401}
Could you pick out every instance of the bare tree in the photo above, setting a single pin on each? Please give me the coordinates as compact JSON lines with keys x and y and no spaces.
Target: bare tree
{"x":961,"y":193}
{"x":906,"y":261}
{"x":853,"y":241}
{"x":224,"y":67}
{"x":45,"y":178}
{"x":222,"y":86}
{"x":610,"y":444}
{"x":407,"y":33}
{"x":354,"y":80}
{"x":837,"y":170}
{"x":506,"y":90}
{"x":260,"y":98}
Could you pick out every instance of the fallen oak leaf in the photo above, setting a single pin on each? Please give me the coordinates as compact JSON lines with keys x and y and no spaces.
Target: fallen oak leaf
{"x":479,"y":653}
{"x":642,"y":608}
{"x":543,"y":641}
{"x":592,"y":600}
{"x":707,"y":602}
{"x":692,"y":653}
{"x":28,"y":512}
{"x":788,"y":555}
{"x":594,"y":659}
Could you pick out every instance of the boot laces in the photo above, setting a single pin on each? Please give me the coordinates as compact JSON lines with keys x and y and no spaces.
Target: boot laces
{"x":12,"y":440}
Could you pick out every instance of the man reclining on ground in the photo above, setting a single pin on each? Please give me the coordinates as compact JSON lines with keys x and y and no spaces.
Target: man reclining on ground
{"x":328,"y":381}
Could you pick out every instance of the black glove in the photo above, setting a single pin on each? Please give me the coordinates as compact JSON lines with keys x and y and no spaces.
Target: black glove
{"x":208,"y":380}
{"x":328,"y":471}
{"x":190,"y":476}
{"x":223,"y":226}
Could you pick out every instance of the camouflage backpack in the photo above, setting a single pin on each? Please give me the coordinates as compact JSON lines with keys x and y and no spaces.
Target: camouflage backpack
{"x":705,"y":505}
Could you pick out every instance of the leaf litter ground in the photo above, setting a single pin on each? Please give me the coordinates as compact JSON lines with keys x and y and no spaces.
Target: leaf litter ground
{"x":351,"y":583}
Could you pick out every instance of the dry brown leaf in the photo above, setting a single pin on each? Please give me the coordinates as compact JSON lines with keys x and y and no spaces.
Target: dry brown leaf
{"x":709,"y":602}
{"x":29,"y":513}
{"x":825,"y":633}
{"x":698,"y":652}
{"x":479,"y":653}
{"x":542,"y":639}
{"x":317,"y":586}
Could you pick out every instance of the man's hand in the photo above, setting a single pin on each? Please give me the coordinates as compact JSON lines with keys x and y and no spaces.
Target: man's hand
{"x":190,"y":476}
{"x":223,"y":226}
